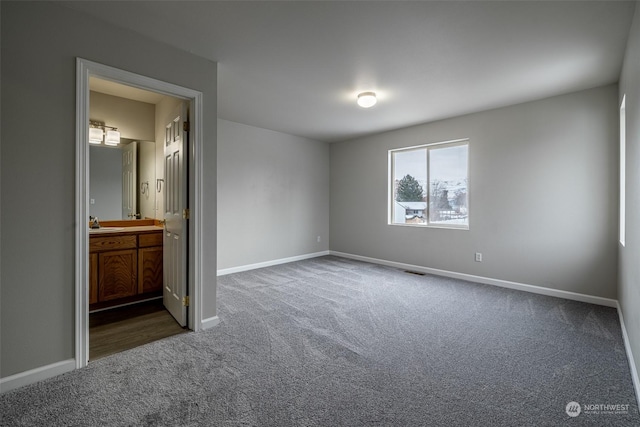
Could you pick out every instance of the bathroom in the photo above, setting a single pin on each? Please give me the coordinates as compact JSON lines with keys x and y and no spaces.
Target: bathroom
{"x":126,"y":200}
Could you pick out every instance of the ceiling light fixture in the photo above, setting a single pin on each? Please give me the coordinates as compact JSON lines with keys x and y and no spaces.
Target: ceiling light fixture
{"x":97,"y":135}
{"x":367,"y":99}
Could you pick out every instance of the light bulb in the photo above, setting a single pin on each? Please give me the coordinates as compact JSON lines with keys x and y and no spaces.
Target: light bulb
{"x":95,"y":135}
{"x":367,"y":99}
{"x":113,"y":137}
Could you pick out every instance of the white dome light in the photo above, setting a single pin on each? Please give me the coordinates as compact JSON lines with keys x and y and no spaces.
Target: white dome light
{"x":367,"y":99}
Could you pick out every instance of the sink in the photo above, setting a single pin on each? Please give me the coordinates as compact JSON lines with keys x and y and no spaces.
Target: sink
{"x":105,"y":229}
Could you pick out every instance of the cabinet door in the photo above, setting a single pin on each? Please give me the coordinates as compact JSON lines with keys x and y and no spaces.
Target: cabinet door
{"x":117,"y":272}
{"x":150,"y":269}
{"x":93,"y":278}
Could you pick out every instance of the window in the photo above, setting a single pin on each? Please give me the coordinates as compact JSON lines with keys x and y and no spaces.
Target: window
{"x":429,"y":185}
{"x":623,"y":178}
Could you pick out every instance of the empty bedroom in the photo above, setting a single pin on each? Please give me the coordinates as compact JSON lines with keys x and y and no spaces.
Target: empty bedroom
{"x":397,"y":213}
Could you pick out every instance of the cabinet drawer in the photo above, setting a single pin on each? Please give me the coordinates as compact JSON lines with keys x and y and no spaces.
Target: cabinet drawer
{"x":107,"y":243}
{"x":150,"y":239}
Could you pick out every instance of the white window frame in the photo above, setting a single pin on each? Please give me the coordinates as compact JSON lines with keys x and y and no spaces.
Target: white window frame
{"x":391,"y":175}
{"x":623,"y":172}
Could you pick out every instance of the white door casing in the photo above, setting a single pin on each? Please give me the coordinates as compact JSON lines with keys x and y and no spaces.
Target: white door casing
{"x":175,"y":215}
{"x":84,"y":70}
{"x":129,"y":181}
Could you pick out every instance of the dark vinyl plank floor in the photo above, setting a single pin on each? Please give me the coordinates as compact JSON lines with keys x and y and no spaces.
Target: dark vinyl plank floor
{"x":123,"y":328}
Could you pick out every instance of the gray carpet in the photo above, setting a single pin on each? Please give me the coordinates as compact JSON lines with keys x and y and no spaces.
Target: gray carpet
{"x":336,"y":342}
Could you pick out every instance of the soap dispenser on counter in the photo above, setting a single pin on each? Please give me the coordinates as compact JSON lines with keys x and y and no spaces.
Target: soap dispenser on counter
{"x":94,"y":222}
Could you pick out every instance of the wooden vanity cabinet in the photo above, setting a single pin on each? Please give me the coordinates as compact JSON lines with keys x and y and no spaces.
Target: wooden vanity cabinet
{"x":124,"y":267}
{"x":93,"y":278}
{"x":117,"y":274}
{"x":150,"y":262}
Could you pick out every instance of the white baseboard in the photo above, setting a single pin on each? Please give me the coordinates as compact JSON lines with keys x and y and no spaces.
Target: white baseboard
{"x":248,"y":267}
{"x":209,"y":322}
{"x":37,"y":374}
{"x":487,"y":280}
{"x":52,"y":370}
{"x":124,"y":305}
{"x":632,"y":363}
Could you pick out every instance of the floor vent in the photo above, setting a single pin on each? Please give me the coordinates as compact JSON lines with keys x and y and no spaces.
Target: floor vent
{"x":417,"y":273}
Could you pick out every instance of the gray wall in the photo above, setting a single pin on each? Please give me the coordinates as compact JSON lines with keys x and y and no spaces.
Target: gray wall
{"x":629,"y":284}
{"x":273,"y":195}
{"x":40,"y":43}
{"x":542,"y":195}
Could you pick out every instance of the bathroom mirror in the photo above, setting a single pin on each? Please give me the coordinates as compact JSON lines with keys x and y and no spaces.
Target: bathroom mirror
{"x":122,"y":180}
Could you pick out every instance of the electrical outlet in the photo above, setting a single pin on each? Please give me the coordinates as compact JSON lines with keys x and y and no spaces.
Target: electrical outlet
{"x":318,"y":239}
{"x":478,"y":256}
{"x":93,"y":201}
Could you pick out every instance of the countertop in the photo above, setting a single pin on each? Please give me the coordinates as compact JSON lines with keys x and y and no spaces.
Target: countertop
{"x":124,"y":230}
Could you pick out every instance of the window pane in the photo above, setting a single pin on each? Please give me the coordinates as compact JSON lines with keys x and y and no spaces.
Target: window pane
{"x":429,"y":185}
{"x":409,"y":187}
{"x":448,"y":185}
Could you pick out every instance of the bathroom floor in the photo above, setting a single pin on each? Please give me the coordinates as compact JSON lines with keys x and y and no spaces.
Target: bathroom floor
{"x":123,"y":328}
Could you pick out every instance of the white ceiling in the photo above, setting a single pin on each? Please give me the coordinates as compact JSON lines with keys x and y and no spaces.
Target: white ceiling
{"x":296,"y":67}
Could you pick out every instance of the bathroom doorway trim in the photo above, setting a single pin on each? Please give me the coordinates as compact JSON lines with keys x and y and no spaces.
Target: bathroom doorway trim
{"x":84,"y":70}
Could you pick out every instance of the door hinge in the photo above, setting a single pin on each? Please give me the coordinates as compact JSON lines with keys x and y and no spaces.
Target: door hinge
{"x":185,"y":301}
{"x":185,"y":213}
{"x":185,"y":126}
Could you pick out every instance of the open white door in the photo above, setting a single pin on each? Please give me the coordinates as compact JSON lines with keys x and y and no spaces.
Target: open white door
{"x":176,"y":214}
{"x":129,"y":184}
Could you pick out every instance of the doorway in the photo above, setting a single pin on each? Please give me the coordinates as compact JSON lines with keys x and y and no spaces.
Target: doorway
{"x":128,"y":187}
{"x":193,"y":264}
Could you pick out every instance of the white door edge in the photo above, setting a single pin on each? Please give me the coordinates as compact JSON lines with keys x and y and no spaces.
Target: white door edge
{"x":84,"y":70}
{"x":176,"y":234}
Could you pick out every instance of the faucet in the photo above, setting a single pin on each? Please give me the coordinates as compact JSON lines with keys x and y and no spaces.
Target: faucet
{"x":94,"y":222}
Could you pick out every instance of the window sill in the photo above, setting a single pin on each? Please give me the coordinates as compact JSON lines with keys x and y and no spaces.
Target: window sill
{"x":446,"y":226}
